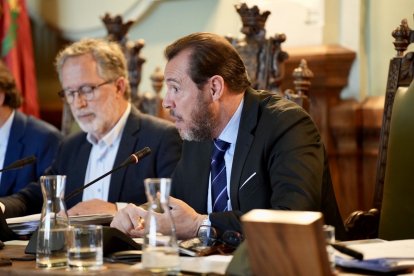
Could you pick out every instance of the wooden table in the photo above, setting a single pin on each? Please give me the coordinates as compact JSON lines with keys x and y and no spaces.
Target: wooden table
{"x":29,"y":267}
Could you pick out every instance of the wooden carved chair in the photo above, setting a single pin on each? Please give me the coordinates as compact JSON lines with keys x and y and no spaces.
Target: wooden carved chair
{"x":302,"y":76}
{"x":393,"y":207}
{"x":264,"y":57}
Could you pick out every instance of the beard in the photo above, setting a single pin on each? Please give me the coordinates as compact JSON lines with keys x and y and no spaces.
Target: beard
{"x":202,"y":122}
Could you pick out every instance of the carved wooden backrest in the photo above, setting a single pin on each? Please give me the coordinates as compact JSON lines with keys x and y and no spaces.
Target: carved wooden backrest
{"x":400,"y":74}
{"x":300,"y":94}
{"x":263,"y":57}
{"x":360,"y":224}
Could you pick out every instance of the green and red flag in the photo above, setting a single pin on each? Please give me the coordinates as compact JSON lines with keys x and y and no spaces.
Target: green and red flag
{"x":17,"y":51}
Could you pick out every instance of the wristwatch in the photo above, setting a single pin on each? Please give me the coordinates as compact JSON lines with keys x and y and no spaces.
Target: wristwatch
{"x":206,"y":221}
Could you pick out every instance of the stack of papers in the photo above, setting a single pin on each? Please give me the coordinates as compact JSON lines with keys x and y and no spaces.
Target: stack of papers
{"x":91,"y":219}
{"x":28,"y":224}
{"x":381,"y":256}
{"x":24,"y":225}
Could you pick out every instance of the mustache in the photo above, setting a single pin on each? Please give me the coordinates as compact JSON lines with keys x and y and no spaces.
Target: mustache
{"x":84,"y":113}
{"x":174,"y":115}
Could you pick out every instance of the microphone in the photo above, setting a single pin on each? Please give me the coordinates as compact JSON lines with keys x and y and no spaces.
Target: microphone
{"x":20,"y":163}
{"x":132,"y":159}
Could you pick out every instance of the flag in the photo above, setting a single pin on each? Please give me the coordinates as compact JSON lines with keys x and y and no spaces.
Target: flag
{"x":17,"y":51}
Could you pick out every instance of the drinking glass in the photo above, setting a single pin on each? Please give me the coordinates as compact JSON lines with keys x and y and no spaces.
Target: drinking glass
{"x":329,"y":234}
{"x":85,"y":247}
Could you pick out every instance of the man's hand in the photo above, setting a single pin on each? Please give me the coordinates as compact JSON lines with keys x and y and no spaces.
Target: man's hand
{"x":186,"y":219}
{"x":93,"y":206}
{"x":130,"y":220}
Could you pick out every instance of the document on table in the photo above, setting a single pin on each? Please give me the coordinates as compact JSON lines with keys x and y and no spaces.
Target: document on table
{"x":28,"y":224}
{"x":216,"y":264}
{"x":383,"y":256}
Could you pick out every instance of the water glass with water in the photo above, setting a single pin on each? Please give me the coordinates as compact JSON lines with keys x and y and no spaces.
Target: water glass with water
{"x":329,"y":234}
{"x":85,"y":247}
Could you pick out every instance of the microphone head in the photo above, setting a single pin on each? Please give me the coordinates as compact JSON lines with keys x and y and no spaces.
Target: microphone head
{"x":30,"y":159}
{"x":142,"y":153}
{"x":136,"y":157}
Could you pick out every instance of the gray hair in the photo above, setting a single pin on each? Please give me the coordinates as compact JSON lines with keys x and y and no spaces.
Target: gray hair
{"x":108,"y":55}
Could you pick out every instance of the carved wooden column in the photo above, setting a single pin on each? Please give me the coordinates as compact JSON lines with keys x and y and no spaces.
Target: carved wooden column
{"x":330,"y":65}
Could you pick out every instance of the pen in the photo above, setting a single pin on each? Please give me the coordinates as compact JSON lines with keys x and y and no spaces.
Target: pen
{"x":348,"y":251}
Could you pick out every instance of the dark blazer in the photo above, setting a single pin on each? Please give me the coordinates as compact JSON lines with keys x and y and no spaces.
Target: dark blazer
{"x":279,"y":142}
{"x":28,"y":136}
{"x":126,"y":185}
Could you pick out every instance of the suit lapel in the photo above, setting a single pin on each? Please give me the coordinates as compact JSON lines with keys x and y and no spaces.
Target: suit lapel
{"x":14,"y":150}
{"x":248,"y":122}
{"x":127,"y":145}
{"x":204,"y":162}
{"x":76,"y":179}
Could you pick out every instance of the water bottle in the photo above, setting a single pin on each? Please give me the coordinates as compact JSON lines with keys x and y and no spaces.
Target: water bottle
{"x":160,"y":248}
{"x":51,"y":251}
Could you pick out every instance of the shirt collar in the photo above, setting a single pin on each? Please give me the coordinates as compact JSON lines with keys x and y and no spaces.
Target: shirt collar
{"x":5,"y":129}
{"x":229,"y":133}
{"x":114,"y":133}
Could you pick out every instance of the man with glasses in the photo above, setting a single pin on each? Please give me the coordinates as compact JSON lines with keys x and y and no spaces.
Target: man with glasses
{"x":94,"y":78}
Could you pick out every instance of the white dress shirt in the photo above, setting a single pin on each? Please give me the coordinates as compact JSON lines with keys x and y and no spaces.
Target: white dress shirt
{"x":102,"y":158}
{"x":229,"y":134}
{"x":4,"y":139}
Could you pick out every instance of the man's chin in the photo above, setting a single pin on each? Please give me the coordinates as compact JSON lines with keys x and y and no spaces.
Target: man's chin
{"x":86,"y":127}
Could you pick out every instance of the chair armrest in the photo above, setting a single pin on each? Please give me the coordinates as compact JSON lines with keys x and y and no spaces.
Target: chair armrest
{"x":363,"y":224}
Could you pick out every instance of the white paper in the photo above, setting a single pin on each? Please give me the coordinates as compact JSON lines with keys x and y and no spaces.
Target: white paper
{"x":28,"y":224}
{"x":389,"y":249}
{"x":385,"y":256}
{"x":209,"y":264}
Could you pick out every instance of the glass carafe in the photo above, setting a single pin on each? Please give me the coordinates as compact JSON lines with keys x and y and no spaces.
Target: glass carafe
{"x":51,"y":248}
{"x":160,"y":249}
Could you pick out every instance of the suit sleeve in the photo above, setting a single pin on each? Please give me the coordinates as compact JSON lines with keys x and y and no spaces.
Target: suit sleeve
{"x":28,"y":200}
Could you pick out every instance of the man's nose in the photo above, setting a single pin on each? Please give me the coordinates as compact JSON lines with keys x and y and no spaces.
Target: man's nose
{"x":79,"y":100}
{"x":167,"y":102}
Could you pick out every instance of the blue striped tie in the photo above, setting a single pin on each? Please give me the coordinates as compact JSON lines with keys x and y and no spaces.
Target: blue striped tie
{"x":218,"y":176}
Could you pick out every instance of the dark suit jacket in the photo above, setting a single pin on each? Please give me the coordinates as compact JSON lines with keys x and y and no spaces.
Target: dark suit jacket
{"x":126,"y":185}
{"x":28,"y":136}
{"x":279,"y":142}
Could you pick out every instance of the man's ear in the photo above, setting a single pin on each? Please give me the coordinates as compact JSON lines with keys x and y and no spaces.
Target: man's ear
{"x":2,"y":97}
{"x":120,"y":84}
{"x":216,"y":87}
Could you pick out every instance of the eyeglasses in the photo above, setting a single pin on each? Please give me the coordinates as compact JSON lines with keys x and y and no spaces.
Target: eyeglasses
{"x":207,"y":242}
{"x":208,"y":237}
{"x":87,"y":91}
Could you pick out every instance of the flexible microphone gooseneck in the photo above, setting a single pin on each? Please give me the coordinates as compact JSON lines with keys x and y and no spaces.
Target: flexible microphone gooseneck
{"x":132,"y":159}
{"x":19,"y":163}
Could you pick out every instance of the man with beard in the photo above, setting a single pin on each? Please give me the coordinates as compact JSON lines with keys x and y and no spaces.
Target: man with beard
{"x":94,"y":78}
{"x":273,"y":154}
